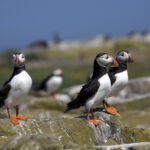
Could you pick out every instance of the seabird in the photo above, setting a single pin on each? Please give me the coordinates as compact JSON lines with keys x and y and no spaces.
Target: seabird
{"x":118,"y":76}
{"x":51,"y":83}
{"x":13,"y":92}
{"x":96,"y":89}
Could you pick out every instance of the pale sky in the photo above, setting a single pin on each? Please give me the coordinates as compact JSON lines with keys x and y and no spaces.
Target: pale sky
{"x":25,"y":21}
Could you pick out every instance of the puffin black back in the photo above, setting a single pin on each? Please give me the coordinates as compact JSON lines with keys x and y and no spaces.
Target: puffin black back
{"x":87,"y":91}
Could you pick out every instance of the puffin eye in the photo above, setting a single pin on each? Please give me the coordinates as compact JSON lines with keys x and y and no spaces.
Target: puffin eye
{"x":107,"y":57}
{"x":122,"y":54}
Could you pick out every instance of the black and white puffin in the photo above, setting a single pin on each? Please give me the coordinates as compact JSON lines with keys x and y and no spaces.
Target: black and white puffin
{"x":51,"y":83}
{"x":118,"y":76}
{"x":96,"y":89}
{"x":13,"y":92}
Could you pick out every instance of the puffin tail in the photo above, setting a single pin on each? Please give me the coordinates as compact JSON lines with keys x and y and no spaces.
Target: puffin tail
{"x":72,"y":105}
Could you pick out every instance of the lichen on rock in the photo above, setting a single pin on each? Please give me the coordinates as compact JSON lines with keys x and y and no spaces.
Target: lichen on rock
{"x":49,"y":128}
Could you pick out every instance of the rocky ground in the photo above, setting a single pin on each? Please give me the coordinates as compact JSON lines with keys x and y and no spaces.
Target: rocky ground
{"x":50,"y":128}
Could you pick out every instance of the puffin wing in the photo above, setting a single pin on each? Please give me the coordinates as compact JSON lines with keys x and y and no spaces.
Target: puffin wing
{"x":87,"y":91}
{"x":4,"y":93}
{"x":43,"y":83}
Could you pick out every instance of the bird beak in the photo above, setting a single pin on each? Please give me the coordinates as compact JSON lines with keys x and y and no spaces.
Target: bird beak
{"x":131,"y":58}
{"x":114,"y":62}
{"x":17,"y":61}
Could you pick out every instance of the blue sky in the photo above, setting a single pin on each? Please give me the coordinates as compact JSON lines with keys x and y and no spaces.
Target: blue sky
{"x":25,"y":21}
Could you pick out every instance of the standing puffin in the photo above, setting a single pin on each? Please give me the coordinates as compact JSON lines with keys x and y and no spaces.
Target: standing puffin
{"x":14,"y":90}
{"x":51,"y":83}
{"x":96,"y":89}
{"x":118,"y":76}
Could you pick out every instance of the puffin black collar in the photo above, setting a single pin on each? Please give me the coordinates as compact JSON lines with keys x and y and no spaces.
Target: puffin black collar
{"x":18,"y":69}
{"x":98,"y":71}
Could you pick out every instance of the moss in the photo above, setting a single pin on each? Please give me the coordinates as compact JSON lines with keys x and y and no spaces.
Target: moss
{"x":147,"y":147}
{"x":47,"y":103}
{"x":64,"y":132}
{"x":111,"y":142}
{"x":141,"y":135}
{"x":136,"y":113}
{"x":78,"y":134}
{"x":60,"y":130}
{"x":127,"y":134}
{"x":30,"y":141}
{"x":131,"y":135}
{"x":75,"y":130}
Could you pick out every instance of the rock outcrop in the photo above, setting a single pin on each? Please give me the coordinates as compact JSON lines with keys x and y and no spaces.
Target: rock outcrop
{"x":50,"y":128}
{"x":136,"y":89}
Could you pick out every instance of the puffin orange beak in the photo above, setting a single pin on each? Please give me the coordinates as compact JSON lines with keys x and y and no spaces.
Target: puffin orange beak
{"x":131,"y":58}
{"x":17,"y":60}
{"x":115,"y":63}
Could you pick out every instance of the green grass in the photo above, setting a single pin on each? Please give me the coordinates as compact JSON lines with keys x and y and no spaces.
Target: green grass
{"x":138,"y":69}
{"x":72,"y":75}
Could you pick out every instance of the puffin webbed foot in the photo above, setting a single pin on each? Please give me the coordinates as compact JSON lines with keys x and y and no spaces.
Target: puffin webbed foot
{"x":94,"y":122}
{"x":109,"y":109}
{"x":94,"y":117}
{"x":14,"y":120}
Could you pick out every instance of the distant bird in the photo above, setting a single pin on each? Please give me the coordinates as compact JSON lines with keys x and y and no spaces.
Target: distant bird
{"x":51,"y":83}
{"x":14,"y":90}
{"x":96,"y":89}
{"x":118,"y":76}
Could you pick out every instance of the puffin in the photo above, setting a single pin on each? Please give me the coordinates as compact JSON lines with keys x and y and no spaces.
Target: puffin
{"x":16,"y":88}
{"x":96,"y":89}
{"x":118,"y":76}
{"x":51,"y":83}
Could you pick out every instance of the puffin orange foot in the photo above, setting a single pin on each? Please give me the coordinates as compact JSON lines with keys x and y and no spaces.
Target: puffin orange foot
{"x":94,"y":122}
{"x":22,"y":118}
{"x":14,"y":120}
{"x":111,"y":110}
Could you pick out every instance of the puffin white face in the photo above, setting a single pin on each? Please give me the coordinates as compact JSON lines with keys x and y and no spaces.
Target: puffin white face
{"x":58,"y":72}
{"x":104,"y":60}
{"x":18,"y":59}
{"x":124,"y":56}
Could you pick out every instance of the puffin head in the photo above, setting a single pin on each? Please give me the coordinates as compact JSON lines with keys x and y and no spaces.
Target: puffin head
{"x":58,"y":72}
{"x":18,"y":59}
{"x":124,"y":56}
{"x":104,"y":60}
